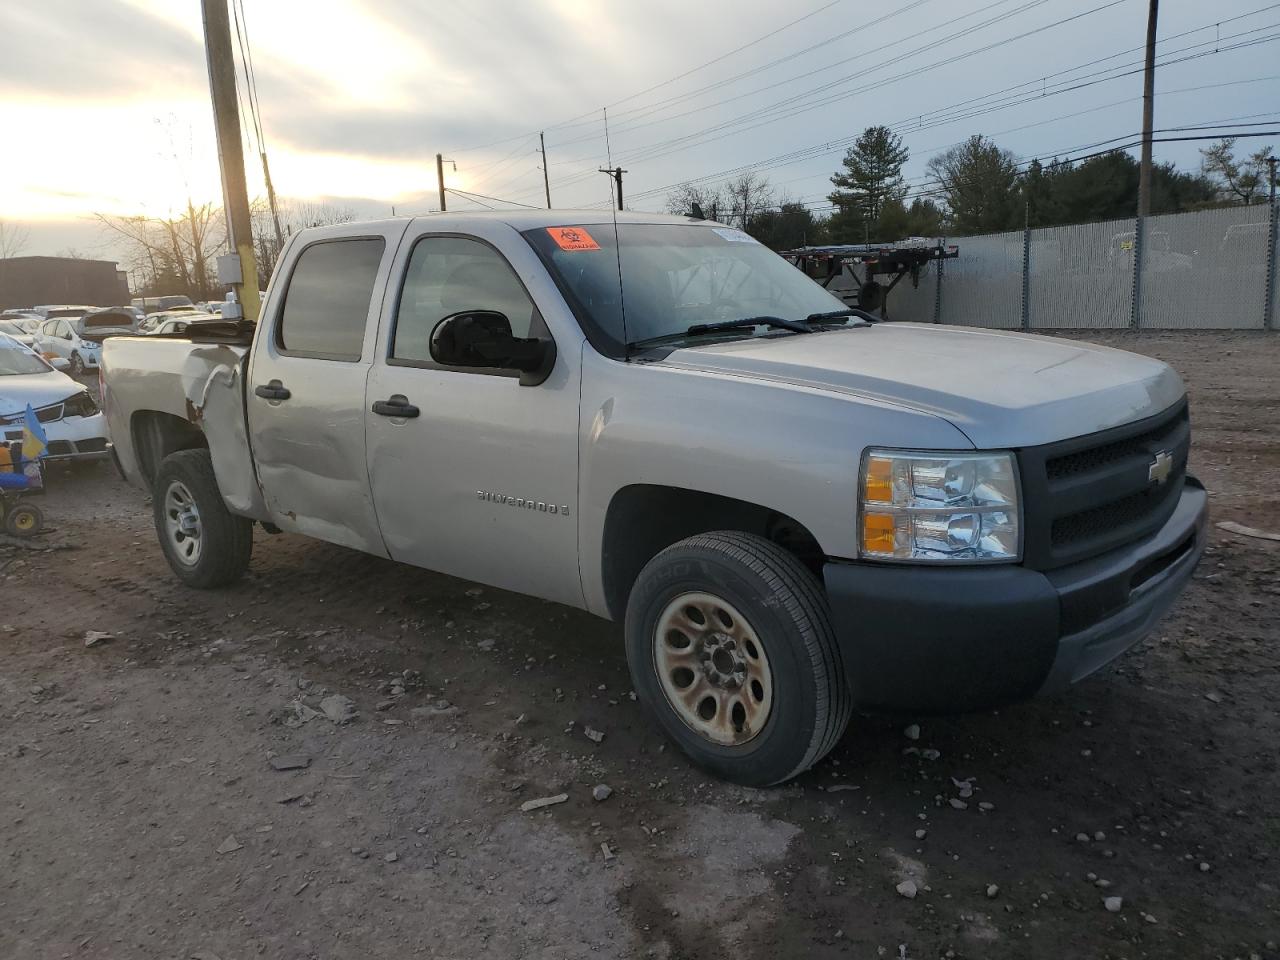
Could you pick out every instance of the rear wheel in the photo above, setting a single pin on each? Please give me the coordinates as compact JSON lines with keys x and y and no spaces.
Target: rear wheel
{"x":23,"y":520}
{"x":77,"y":364}
{"x":206,"y":545}
{"x":730,"y":647}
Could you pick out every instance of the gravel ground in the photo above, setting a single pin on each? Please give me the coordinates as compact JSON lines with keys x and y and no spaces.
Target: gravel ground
{"x":144,"y":814}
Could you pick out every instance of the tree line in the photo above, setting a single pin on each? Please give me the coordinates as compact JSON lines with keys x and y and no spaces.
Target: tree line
{"x":973,"y":187}
{"x":176,"y":254}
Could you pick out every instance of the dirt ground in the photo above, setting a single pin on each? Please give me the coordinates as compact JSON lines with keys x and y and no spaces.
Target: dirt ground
{"x":141,"y":815}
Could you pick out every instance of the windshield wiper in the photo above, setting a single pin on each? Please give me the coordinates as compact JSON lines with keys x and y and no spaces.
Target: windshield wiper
{"x":841,"y":315}
{"x":724,"y":326}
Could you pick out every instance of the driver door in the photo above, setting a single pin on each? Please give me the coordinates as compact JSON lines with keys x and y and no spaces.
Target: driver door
{"x":481,"y":480}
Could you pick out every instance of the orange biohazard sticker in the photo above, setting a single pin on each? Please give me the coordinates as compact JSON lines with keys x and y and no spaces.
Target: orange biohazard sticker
{"x":572,"y":238}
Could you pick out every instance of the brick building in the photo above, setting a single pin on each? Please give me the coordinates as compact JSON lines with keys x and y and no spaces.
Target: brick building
{"x":26,"y":281}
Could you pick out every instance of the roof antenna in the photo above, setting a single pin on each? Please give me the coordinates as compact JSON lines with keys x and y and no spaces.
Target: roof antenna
{"x":696,"y":211}
{"x":617,"y":244}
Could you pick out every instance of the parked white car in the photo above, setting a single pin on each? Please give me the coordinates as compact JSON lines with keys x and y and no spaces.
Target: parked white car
{"x":171,"y":321}
{"x":167,"y":324}
{"x":73,"y":425}
{"x":22,"y":331}
{"x":78,"y":340}
{"x":50,"y":311}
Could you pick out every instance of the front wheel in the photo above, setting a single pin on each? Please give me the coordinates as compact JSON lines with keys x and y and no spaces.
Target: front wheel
{"x":731,"y":649}
{"x":206,"y":545}
{"x":77,"y":364}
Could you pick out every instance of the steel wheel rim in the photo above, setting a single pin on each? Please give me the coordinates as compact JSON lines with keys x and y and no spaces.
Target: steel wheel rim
{"x":182,"y":523}
{"x":713,"y":669}
{"x":24,"y":521}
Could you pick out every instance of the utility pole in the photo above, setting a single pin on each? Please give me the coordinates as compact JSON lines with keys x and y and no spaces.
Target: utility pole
{"x":440,"y":179}
{"x":271,"y":200}
{"x":616,"y":173}
{"x":1270,"y":320}
{"x":226,"y":119}
{"x":546,"y":178}
{"x":1148,"y":112}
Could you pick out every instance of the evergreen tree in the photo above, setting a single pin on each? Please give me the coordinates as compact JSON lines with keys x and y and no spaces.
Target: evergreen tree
{"x":979,"y":182}
{"x":872,"y":178}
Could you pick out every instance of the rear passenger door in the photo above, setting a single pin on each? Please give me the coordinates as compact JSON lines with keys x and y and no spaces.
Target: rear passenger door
{"x":307,"y":386}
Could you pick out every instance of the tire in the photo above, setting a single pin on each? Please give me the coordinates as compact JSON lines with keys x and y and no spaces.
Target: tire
{"x":768,"y":662}
{"x":23,"y":520}
{"x":77,"y":364}
{"x":206,"y":545}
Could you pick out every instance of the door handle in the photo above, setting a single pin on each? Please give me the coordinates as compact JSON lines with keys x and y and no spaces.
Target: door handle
{"x":275,"y":390}
{"x":397,"y":405}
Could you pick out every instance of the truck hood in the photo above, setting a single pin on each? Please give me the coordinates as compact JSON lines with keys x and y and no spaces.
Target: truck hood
{"x":1001,"y":389}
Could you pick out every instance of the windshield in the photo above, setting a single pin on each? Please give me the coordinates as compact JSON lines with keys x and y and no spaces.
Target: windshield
{"x":674,"y":276}
{"x":11,"y":328}
{"x":17,"y":360}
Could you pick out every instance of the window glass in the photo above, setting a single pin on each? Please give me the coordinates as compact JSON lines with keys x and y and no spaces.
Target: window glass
{"x":673,"y":276}
{"x":448,"y":275}
{"x":327,"y":303}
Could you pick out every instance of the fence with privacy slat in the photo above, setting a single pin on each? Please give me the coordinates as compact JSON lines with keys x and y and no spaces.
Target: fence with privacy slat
{"x":1208,"y":269}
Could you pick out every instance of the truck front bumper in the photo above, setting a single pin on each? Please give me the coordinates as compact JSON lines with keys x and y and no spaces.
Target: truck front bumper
{"x":926,"y":639}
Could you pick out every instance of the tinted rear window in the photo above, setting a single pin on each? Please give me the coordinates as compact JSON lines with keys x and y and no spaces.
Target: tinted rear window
{"x":327,"y":303}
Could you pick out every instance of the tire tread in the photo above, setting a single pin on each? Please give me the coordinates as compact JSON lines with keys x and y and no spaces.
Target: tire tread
{"x":227,"y":550}
{"x":806,"y":604}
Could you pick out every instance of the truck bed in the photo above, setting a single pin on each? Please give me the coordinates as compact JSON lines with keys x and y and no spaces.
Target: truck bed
{"x":199,"y":385}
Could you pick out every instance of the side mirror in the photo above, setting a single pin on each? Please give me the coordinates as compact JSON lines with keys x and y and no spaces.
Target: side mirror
{"x":483,"y":338}
{"x":60,"y":363}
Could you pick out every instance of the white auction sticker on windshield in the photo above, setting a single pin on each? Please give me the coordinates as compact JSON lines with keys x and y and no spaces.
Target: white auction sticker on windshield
{"x":734,"y":236}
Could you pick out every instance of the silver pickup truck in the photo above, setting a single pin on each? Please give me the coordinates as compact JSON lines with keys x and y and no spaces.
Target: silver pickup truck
{"x":796,"y":512}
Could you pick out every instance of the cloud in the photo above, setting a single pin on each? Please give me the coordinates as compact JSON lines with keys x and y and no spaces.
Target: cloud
{"x":101,"y":49}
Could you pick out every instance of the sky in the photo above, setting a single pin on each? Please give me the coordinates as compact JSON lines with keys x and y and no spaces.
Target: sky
{"x":105,"y":105}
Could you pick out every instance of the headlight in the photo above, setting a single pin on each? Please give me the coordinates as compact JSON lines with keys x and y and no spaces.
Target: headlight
{"x":81,"y":405}
{"x":957,"y":507}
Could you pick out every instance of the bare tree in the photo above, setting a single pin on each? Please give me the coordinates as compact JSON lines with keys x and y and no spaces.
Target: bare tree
{"x":173,"y":255}
{"x":709,"y":199}
{"x":294,"y":215}
{"x":1240,"y":181}
{"x":300,"y":214}
{"x":749,"y":195}
{"x":13,"y":239}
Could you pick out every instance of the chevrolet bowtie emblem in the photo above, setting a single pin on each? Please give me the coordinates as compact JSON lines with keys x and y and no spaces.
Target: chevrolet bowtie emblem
{"x":1160,"y":467}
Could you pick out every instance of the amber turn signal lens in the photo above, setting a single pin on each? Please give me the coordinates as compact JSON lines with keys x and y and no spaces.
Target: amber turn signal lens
{"x":877,"y":533}
{"x":879,"y":483}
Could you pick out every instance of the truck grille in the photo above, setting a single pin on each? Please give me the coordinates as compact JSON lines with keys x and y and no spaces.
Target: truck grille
{"x":1091,"y":494}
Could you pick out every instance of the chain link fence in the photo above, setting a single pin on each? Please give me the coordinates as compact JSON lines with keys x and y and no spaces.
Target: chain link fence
{"x":1207,"y":269}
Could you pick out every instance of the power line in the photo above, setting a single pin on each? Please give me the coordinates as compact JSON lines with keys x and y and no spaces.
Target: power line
{"x":469,"y":195}
{"x":703,"y":66}
{"x":1028,"y":5}
{"x":941,"y":117}
{"x":779,"y":109}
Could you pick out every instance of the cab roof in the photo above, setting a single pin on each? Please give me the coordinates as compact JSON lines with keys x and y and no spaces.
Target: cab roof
{"x":533,"y":219}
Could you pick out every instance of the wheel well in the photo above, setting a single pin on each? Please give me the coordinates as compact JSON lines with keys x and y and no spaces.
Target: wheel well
{"x":644,"y":519}
{"x":156,"y":435}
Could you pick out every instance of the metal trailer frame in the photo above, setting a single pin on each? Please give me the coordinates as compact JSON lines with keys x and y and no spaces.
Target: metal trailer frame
{"x":898,"y":260}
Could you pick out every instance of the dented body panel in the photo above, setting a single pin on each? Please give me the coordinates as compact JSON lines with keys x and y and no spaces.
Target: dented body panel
{"x":199,"y":384}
